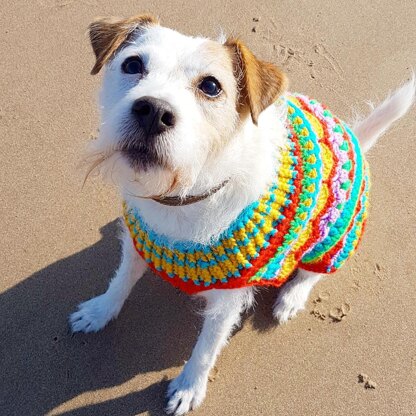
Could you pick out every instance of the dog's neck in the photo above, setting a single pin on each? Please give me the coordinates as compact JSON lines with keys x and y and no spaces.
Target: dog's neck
{"x":250,"y":163}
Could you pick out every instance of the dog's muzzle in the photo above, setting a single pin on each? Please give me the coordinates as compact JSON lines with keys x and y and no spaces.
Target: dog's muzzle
{"x":150,"y":119}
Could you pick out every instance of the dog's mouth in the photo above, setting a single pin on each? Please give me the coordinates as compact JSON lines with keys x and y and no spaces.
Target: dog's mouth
{"x":142,"y":151}
{"x":142,"y":157}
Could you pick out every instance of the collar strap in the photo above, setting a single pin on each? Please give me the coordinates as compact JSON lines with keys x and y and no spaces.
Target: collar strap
{"x":177,"y":201}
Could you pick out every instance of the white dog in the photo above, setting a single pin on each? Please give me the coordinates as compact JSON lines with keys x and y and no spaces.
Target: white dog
{"x":193,"y":132}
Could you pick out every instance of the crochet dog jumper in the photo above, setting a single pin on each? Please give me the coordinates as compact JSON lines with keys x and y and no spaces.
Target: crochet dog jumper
{"x":312,"y":216}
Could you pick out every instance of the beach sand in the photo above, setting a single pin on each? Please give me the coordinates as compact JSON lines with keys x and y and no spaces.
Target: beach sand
{"x":59,"y":242}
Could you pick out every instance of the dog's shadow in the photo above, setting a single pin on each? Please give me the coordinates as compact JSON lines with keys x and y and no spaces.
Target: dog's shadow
{"x":43,"y":365}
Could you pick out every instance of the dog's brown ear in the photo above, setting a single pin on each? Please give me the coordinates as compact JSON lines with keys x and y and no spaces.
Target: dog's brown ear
{"x":107,"y":35}
{"x":260,"y":83}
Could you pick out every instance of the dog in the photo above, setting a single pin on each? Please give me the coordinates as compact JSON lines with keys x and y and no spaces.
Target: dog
{"x":228,"y":181}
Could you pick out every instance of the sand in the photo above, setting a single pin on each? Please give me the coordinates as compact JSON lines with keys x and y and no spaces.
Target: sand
{"x":59,"y":242}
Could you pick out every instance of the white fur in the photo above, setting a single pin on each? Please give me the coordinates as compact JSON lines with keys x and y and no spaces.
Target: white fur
{"x":222,"y":314}
{"x":381,"y":118}
{"x":95,"y":313}
{"x":207,"y":146}
{"x":293,"y":295}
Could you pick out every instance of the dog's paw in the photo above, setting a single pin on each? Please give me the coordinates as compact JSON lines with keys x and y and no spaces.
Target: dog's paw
{"x":185,"y":394}
{"x":94,"y":314}
{"x":283,"y":311}
{"x":289,"y":302}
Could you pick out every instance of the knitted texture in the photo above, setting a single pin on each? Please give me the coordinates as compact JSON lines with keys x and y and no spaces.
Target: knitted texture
{"x":312,"y":216}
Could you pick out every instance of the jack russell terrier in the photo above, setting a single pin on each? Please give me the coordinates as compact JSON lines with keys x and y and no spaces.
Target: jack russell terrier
{"x":228,"y":181}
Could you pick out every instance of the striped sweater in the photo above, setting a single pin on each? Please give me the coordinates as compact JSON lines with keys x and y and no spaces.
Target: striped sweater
{"x":312,"y":216}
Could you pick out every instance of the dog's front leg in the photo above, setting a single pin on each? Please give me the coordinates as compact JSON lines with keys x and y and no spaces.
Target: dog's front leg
{"x":95,"y":313}
{"x":294,"y":294}
{"x":222,"y":314}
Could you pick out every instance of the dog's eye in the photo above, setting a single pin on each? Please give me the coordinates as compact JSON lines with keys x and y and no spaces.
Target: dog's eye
{"x":210,"y":86}
{"x":132,"y":65}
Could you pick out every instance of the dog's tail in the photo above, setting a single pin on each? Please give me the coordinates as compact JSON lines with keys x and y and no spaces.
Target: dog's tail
{"x":391,"y":109}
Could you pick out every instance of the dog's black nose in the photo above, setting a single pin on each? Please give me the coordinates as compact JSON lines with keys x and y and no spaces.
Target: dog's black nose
{"x":154,"y":115}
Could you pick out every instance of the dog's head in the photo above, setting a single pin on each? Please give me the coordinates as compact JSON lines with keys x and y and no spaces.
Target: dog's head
{"x":171,"y":104}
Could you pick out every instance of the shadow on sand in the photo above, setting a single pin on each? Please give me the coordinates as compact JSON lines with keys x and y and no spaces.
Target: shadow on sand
{"x":43,"y":365}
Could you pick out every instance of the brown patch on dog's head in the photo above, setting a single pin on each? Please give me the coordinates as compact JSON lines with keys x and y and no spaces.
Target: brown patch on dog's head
{"x":260,"y":83}
{"x":107,"y":35}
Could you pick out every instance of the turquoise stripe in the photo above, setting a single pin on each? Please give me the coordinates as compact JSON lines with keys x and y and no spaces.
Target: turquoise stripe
{"x":351,"y":237}
{"x":344,"y":220}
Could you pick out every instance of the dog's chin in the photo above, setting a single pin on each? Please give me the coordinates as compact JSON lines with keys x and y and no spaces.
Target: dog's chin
{"x":141,"y":159}
{"x":142,"y":153}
